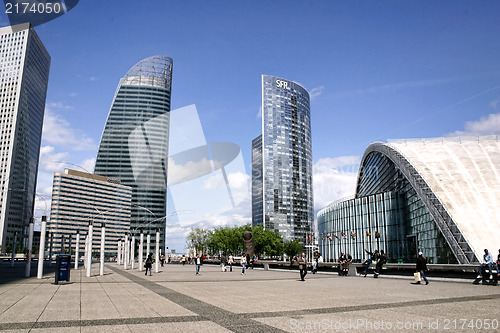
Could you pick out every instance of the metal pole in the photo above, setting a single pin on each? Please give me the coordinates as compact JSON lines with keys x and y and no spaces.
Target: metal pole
{"x":61,"y":249}
{"x":141,"y":248}
{"x":50,"y":248}
{"x":103,"y":235}
{"x":89,"y":249}
{"x":125,"y":262}
{"x":132,"y":252}
{"x":13,"y":255}
{"x":41,"y":250}
{"x":30,"y":247}
{"x":157,"y":256}
{"x":148,"y":243}
{"x":77,"y":249}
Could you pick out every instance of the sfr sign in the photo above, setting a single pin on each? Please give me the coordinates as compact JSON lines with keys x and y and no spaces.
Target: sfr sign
{"x":282,"y":84}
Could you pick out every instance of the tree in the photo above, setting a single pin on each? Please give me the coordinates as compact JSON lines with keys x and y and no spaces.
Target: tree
{"x":267,"y":242}
{"x":292,"y":248}
{"x":198,"y":239}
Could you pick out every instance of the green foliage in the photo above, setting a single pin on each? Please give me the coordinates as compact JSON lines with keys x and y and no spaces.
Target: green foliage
{"x":292,"y":248}
{"x":8,"y":248}
{"x":267,"y":242}
{"x":199,"y":239}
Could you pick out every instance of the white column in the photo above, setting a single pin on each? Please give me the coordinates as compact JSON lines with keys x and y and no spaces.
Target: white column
{"x":13,"y":256}
{"x":77,"y":249}
{"x":119,"y":252}
{"x":125,"y":261}
{"x":41,"y":251}
{"x":30,"y":247}
{"x":85,"y":251}
{"x":89,"y":249}
{"x":141,"y":248}
{"x":148,"y":244}
{"x":157,"y":256}
{"x":103,"y":235}
{"x":132,"y":252}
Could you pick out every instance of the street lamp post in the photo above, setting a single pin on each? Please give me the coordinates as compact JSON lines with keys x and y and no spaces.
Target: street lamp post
{"x":132,"y":251}
{"x":89,"y":249}
{"x":77,"y":249}
{"x":41,"y":251}
{"x":126,"y":246}
{"x":141,"y":248}
{"x":103,"y":235}
{"x":30,"y":247}
{"x":157,"y":252}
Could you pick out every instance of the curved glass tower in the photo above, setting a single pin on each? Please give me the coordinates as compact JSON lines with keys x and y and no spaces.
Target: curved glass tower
{"x":134,"y":143}
{"x":285,"y":161}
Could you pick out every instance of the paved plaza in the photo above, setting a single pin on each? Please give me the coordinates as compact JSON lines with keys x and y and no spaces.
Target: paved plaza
{"x":176,"y":300}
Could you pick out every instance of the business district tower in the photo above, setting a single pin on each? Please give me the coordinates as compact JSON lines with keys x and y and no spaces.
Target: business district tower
{"x":134,"y":143}
{"x":24,"y":74}
{"x":282,"y":195}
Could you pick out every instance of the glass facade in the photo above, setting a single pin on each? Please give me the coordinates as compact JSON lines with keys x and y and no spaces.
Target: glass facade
{"x":257,"y":198}
{"x":387,"y":214}
{"x":287,"y":196}
{"x":134,"y":143}
{"x":24,"y":75}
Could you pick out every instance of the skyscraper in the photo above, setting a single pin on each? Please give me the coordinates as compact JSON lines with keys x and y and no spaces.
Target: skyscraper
{"x":284,"y":164}
{"x":79,"y":197}
{"x":24,"y":74}
{"x":134,"y":143}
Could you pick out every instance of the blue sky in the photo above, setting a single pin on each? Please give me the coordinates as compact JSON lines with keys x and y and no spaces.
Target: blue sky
{"x":376,"y":70}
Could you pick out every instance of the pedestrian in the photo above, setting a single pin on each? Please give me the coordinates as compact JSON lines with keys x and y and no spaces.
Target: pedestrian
{"x":315,"y":263}
{"x":148,"y":264}
{"x":162,"y":260}
{"x":381,"y":261}
{"x":303,"y":266}
{"x":223,"y":262}
{"x":183,"y":260}
{"x":488,"y":261}
{"x":422,"y":267}
{"x":373,"y":257}
{"x":243,"y":263}
{"x":230,"y":261}
{"x":254,"y":260}
{"x":342,"y":263}
{"x":198,"y":264}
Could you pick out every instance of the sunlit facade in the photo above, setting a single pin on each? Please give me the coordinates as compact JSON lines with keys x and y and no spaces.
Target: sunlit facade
{"x":24,"y":75}
{"x":77,"y":199}
{"x":439,"y":196}
{"x":130,"y":140}
{"x":286,"y":167}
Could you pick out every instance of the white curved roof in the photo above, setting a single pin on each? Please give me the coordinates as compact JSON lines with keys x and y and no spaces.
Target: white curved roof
{"x":464,"y":173}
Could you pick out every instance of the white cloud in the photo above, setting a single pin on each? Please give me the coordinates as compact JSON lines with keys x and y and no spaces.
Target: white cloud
{"x":57,"y":131}
{"x":494,"y":104}
{"x":315,"y":92}
{"x":487,"y":125}
{"x":259,"y":114}
{"x":93,"y":78}
{"x":333,"y":179}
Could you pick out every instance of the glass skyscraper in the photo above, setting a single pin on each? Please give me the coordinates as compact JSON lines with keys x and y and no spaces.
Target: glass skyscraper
{"x":134,"y":143}
{"x":285,"y":169}
{"x":24,"y":74}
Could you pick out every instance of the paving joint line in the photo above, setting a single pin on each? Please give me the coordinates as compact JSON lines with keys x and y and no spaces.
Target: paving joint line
{"x":229,"y":320}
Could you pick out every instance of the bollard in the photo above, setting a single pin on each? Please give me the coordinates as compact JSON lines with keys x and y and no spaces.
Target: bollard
{"x":13,"y":255}
{"x":41,"y":251}
{"x":119,"y":255}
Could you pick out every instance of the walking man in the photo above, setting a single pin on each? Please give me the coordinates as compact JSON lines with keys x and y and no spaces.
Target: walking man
{"x":303,"y":266}
{"x":243,"y":263}
{"x":422,"y":267}
{"x":198,"y":264}
{"x":230,"y":261}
